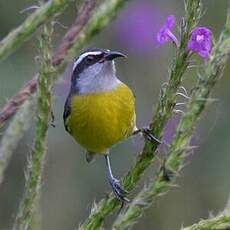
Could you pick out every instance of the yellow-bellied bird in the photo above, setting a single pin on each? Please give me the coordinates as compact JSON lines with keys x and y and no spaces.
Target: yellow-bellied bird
{"x":100,"y":109}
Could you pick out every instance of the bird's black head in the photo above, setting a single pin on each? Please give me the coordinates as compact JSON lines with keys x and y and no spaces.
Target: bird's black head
{"x":93,"y":62}
{"x":93,"y":56}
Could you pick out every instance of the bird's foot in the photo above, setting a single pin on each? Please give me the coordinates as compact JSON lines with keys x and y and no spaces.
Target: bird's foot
{"x":118,"y":190}
{"x":147,"y":134}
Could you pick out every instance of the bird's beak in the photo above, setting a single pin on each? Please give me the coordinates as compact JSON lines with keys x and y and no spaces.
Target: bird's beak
{"x":113,"y":54}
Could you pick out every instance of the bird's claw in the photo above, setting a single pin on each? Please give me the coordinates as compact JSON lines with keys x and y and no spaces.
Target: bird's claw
{"x":149,"y":136}
{"x":118,"y":190}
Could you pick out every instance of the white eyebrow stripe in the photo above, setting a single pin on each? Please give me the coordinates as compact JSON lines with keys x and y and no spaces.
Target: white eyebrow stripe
{"x":85,"y":55}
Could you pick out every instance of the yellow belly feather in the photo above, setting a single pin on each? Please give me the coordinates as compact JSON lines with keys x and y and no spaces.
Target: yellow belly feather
{"x":102,"y":119}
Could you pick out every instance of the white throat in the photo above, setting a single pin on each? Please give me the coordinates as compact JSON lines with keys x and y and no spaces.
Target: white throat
{"x":100,"y":77}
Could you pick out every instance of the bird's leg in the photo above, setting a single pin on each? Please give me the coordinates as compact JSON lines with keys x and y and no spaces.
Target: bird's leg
{"x":118,"y":191}
{"x":147,"y":134}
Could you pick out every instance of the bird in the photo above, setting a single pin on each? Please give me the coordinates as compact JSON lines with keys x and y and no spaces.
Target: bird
{"x":99,"y":110}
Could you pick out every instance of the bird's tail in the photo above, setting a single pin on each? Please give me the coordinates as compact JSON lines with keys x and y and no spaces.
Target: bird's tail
{"x":90,"y":156}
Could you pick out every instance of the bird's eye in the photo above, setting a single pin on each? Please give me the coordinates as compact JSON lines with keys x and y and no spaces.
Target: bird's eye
{"x":89,"y":60}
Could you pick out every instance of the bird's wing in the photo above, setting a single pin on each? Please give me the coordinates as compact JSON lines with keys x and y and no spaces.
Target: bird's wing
{"x":67,"y":113}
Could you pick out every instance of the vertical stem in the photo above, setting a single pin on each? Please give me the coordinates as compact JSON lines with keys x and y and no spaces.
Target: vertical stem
{"x":14,"y":133}
{"x":24,"y":219}
{"x":221,"y":222}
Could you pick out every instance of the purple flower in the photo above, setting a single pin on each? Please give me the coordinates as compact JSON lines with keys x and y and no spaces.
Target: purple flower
{"x":201,"y":41}
{"x":165,"y":34}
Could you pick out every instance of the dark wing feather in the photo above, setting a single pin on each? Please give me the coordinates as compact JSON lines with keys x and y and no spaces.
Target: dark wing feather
{"x":67,"y":112}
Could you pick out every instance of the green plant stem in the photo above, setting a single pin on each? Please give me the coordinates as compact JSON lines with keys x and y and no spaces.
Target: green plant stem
{"x":163,"y":112}
{"x":167,"y":100}
{"x":14,"y":133}
{"x":27,"y":208}
{"x":19,"y":35}
{"x":221,"y":222}
{"x":180,"y":145}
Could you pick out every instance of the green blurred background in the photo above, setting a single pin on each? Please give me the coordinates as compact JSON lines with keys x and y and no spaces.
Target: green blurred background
{"x":70,"y":184}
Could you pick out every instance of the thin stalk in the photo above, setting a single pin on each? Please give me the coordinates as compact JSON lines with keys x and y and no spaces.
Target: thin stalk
{"x":163,"y":112}
{"x":19,"y":35}
{"x":24,"y":219}
{"x":181,"y":143}
{"x":221,"y":222}
{"x":14,"y":133}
